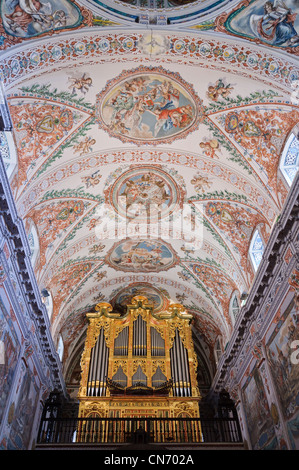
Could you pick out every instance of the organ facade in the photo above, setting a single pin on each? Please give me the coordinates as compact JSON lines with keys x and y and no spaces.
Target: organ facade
{"x":139,"y":364}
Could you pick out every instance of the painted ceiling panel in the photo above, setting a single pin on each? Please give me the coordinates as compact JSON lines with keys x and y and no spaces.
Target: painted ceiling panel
{"x":147,"y":156}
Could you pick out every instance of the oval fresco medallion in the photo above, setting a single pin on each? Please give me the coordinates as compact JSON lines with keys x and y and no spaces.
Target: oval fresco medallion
{"x":148,"y":105}
{"x":145,"y":193}
{"x":155,"y":297}
{"x":141,"y":256}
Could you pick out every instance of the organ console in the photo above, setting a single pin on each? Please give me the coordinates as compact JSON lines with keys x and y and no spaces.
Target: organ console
{"x":138,"y":364}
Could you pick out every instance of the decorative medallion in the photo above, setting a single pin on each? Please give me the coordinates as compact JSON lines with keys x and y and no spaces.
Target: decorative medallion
{"x":231,"y":122}
{"x":148,"y":105}
{"x":154,"y":296}
{"x":47,"y":123}
{"x":248,"y":127}
{"x":141,"y":256}
{"x":144,"y":194}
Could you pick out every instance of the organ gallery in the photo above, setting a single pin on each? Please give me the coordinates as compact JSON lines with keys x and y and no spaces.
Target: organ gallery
{"x":139,"y":364}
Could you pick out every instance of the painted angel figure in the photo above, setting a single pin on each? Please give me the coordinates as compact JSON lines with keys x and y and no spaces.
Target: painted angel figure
{"x":81,"y":84}
{"x":218,"y":90}
{"x":28,"y":17}
{"x":167,"y":118}
{"x":276,"y":26}
{"x":85,"y":146}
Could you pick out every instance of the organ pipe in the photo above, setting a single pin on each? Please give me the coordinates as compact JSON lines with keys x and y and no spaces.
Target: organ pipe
{"x":140,"y":347}
{"x":139,"y":377}
{"x":98,"y":367}
{"x":157,"y":343}
{"x":158,"y":378}
{"x":174,"y":370}
{"x":139,"y":337}
{"x":121,"y":343}
{"x":120,"y":377}
{"x":180,"y":367}
{"x":183,"y":365}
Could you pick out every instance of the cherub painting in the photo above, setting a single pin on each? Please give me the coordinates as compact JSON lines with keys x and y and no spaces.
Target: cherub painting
{"x":200,"y":183}
{"x":209,"y":147}
{"x":84,"y":146}
{"x":141,"y":255}
{"x":92,"y":180}
{"x":148,"y":107}
{"x":218,"y":90}
{"x":81,"y":84}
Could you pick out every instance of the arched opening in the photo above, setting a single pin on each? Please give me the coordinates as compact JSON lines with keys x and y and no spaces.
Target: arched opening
{"x":33,"y":244}
{"x":234,"y":307}
{"x":8,"y":152}
{"x":256,"y":249}
{"x":289,"y":162}
{"x":217,"y":351}
{"x":60,"y":348}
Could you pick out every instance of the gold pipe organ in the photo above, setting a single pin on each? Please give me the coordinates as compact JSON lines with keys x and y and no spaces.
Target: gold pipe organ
{"x":139,"y":364}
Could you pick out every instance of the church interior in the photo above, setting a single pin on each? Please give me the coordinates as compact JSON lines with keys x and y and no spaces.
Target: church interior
{"x":149,"y":248}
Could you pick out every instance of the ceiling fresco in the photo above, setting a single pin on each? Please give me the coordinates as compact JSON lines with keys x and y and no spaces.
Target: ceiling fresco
{"x":31,"y":18}
{"x":149,"y":192}
{"x":153,"y":106}
{"x":272,"y":23}
{"x":147,"y":158}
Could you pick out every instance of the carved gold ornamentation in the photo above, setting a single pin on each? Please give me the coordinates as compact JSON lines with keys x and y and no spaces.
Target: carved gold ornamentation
{"x":158,"y":363}
{"x":119,"y":363}
{"x":118,"y":329}
{"x":110,"y":398}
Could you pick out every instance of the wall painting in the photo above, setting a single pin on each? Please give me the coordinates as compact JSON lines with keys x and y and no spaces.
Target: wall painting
{"x":285,"y":369}
{"x":10,"y":348}
{"x":258,"y":416}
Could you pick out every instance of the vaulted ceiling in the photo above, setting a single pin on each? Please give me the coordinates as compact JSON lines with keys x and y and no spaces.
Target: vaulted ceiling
{"x":148,"y":145}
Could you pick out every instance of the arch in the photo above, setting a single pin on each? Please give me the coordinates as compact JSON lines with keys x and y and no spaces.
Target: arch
{"x":256,"y":249}
{"x":60,"y":348}
{"x":47,"y":300}
{"x":33,"y":243}
{"x":217,"y":351}
{"x":289,"y":161}
{"x":8,"y":152}
{"x":184,"y":414}
{"x":234,"y":307}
